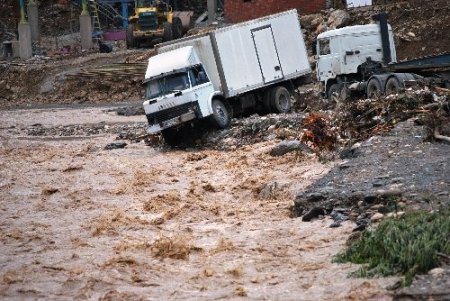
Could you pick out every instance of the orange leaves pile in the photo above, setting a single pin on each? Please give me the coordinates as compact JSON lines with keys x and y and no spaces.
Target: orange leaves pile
{"x":318,"y":133}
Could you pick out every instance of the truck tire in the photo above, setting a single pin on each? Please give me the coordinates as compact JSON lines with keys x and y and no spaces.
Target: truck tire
{"x":373,"y":88}
{"x":393,"y":86}
{"x":131,"y":43}
{"x":221,"y":117}
{"x":333,"y":95}
{"x":281,"y":100}
{"x":177,"y":28}
{"x":173,"y":137}
{"x":167,"y":34}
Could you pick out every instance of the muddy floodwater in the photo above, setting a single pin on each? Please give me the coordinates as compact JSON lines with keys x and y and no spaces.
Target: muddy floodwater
{"x":79,"y":222}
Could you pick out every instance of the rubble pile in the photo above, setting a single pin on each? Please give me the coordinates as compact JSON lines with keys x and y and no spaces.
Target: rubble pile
{"x":360,"y":119}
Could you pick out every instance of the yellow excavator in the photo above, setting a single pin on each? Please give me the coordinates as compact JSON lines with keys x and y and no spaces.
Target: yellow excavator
{"x":155,"y":21}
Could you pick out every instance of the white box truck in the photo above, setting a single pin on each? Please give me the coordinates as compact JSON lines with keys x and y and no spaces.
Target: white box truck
{"x":257,"y":63}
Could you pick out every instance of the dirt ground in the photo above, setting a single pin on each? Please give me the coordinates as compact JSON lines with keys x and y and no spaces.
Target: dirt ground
{"x":145,"y":223}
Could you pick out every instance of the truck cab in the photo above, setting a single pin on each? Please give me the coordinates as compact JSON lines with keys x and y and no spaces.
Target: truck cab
{"x":343,"y":54}
{"x":176,"y":86}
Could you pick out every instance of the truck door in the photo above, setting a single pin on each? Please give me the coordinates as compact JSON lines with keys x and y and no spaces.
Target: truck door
{"x":328,"y":62}
{"x":267,"y":54}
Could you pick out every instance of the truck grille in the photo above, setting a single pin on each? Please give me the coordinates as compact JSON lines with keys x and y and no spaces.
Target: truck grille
{"x":157,"y":117}
{"x":148,"y":21}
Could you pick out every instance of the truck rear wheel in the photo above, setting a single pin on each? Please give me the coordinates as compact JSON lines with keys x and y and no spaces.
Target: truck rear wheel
{"x":131,"y":43}
{"x":281,"y":100}
{"x":167,"y":34}
{"x":373,"y":88}
{"x":392,"y":86}
{"x":177,"y":28}
{"x":221,"y":116}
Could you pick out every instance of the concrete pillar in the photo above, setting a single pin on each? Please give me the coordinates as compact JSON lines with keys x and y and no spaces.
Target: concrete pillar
{"x":212,"y":8}
{"x":15,"y":48}
{"x":33,"y":18}
{"x":25,"y":47}
{"x":86,"y":31}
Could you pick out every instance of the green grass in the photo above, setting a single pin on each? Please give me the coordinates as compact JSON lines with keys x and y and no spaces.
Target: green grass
{"x":406,"y":245}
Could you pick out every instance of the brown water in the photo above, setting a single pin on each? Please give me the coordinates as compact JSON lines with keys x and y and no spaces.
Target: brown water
{"x":81,"y":222}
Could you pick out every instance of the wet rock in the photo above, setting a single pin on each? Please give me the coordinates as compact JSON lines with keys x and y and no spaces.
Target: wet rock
{"x":115,"y":145}
{"x":314,"y":197}
{"x":313,"y":213}
{"x":335,"y":224}
{"x":436,"y":272}
{"x":268,"y":191}
{"x":130,"y":111}
{"x":353,"y":238}
{"x":288,"y":146}
{"x":377,"y":217}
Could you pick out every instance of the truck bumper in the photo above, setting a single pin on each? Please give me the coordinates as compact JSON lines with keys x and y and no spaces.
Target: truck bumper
{"x":138,"y":34}
{"x":156,"y":128}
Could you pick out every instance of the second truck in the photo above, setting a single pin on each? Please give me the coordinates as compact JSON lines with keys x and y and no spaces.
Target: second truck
{"x":361,"y":61}
{"x":254,"y":64}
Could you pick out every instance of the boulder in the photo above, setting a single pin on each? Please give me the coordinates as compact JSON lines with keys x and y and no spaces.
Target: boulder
{"x":288,"y":146}
{"x":338,"y":18}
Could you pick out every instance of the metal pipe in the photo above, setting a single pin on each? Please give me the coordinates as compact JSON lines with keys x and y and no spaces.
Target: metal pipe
{"x":85,"y":11}
{"x":23,"y":19}
{"x":384,"y":30}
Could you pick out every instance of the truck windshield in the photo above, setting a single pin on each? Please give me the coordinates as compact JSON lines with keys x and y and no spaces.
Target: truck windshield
{"x":166,"y":85}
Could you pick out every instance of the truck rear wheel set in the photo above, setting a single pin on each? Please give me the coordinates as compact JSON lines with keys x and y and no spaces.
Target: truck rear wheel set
{"x":277,"y":100}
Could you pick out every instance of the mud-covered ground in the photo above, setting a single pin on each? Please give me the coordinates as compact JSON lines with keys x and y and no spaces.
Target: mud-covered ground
{"x":150,"y":223}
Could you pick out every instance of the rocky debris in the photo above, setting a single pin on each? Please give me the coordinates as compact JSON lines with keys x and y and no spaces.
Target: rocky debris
{"x":338,"y":215}
{"x":254,"y":129}
{"x":128,"y":130}
{"x":389,"y":172}
{"x":115,"y":145}
{"x":288,"y":146}
{"x":434,"y":286}
{"x":338,"y":18}
{"x":129,"y":110}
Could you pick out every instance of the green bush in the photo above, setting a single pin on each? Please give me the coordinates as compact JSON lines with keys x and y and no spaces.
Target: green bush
{"x":406,"y":245}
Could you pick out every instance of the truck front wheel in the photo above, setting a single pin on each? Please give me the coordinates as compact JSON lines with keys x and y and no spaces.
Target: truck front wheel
{"x":173,"y":137}
{"x":168,"y":33}
{"x":281,"y":100}
{"x":373,"y":88}
{"x":221,"y":116}
{"x":177,"y":28}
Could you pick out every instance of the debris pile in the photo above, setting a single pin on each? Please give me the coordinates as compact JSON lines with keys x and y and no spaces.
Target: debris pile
{"x":360,"y":119}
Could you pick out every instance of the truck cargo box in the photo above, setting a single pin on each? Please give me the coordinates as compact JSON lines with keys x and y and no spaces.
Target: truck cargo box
{"x":250,"y":55}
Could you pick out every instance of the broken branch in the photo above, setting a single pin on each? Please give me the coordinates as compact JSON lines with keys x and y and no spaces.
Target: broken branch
{"x":441,"y":137}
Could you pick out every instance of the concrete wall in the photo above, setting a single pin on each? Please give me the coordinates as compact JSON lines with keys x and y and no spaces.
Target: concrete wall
{"x":243,"y":10}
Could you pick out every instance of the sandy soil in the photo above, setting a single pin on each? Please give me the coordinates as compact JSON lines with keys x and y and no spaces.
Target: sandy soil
{"x":139,"y":223}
